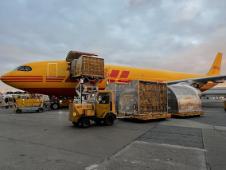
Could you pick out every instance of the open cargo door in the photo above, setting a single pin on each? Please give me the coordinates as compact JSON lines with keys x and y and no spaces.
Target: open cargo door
{"x":76,"y":55}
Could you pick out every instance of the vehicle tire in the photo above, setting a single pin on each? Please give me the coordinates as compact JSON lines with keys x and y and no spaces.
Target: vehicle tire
{"x":18,"y":111}
{"x":83,"y":122}
{"x":109,"y":119}
{"x":55,"y":106}
{"x":40,"y":110}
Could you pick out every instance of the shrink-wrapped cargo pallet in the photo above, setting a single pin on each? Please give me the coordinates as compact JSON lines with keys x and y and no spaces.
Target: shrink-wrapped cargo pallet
{"x":141,"y":100}
{"x":184,"y":101}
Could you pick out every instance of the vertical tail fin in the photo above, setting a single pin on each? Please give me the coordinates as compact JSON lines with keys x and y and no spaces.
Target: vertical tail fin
{"x":216,"y":66}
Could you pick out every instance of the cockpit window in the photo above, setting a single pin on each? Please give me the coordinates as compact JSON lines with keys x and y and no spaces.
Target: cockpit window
{"x":24,"y":68}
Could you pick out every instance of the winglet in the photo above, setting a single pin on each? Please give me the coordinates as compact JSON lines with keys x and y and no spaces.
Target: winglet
{"x":216,"y":66}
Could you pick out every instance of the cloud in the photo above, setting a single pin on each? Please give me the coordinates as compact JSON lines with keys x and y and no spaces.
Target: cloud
{"x":178,"y":35}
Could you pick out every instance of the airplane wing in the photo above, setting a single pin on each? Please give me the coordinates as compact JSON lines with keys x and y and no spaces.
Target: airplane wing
{"x":212,"y":76}
{"x":202,"y":80}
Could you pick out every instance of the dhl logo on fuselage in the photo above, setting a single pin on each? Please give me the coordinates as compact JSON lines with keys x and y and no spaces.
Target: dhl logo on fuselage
{"x":119,"y":76}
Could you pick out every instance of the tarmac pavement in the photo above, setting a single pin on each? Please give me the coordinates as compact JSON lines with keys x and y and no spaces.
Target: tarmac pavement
{"x":49,"y":141}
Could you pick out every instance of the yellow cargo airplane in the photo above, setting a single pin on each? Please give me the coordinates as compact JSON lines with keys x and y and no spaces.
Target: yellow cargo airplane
{"x":53,"y":77}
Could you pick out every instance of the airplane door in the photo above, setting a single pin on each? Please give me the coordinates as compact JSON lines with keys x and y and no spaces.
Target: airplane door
{"x":52,"y":70}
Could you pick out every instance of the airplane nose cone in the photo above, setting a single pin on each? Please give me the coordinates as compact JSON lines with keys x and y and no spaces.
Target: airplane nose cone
{"x":3,"y":78}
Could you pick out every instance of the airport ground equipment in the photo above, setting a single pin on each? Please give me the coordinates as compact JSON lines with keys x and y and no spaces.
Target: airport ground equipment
{"x":91,"y":104}
{"x":140,"y":100}
{"x":7,"y":101}
{"x":29,"y":105}
{"x":60,"y":102}
{"x":184,"y":101}
{"x":98,"y":107}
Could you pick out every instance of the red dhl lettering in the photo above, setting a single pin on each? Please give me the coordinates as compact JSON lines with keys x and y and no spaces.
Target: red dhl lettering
{"x":124,"y":74}
{"x":114,"y":73}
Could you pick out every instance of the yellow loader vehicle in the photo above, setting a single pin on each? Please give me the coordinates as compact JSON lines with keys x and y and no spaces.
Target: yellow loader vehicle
{"x":98,"y":107}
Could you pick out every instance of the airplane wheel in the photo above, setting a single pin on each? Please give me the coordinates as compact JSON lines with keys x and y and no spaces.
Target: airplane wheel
{"x":83,"y":122}
{"x":18,"y":111}
{"x":55,"y":106}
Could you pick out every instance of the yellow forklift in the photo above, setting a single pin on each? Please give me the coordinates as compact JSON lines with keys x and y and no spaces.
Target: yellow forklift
{"x":98,"y":107}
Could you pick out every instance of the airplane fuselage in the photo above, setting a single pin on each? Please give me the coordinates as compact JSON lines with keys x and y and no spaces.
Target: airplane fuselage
{"x":53,"y":77}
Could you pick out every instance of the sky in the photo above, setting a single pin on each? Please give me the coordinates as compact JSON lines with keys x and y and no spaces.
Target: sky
{"x":177,"y":35}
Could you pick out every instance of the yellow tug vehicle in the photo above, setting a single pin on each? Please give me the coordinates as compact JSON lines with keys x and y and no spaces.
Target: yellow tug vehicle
{"x":99,"y":108}
{"x":30,"y":104}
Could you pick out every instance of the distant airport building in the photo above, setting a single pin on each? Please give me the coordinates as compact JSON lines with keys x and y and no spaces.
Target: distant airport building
{"x":214,"y":94}
{"x":214,"y":97}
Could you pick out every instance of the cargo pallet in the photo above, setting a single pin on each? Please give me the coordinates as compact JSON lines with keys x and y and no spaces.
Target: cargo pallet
{"x":187,"y":114}
{"x":146,"y":117}
{"x":141,"y":100}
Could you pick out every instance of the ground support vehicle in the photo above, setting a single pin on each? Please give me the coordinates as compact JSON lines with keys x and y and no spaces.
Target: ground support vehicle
{"x":29,"y":105}
{"x":91,"y":104}
{"x":7,"y":101}
{"x":99,"y":108}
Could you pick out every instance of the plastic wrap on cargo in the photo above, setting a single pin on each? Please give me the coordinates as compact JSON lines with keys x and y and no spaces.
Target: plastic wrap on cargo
{"x":123,"y":97}
{"x":184,"y":98}
{"x":139,"y":97}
